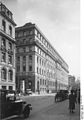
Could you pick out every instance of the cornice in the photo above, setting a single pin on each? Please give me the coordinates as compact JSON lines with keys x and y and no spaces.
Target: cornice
{"x":11,"y":21}
{"x":7,"y":36}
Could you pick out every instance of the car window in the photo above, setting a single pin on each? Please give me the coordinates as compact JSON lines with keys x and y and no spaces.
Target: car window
{"x":10,"y":97}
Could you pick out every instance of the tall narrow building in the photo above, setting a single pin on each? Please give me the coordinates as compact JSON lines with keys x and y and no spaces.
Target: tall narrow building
{"x":39,"y":67}
{"x":7,"y":48}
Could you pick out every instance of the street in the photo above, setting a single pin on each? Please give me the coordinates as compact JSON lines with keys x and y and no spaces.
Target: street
{"x":44,"y":108}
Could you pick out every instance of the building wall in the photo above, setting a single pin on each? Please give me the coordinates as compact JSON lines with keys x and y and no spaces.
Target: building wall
{"x":9,"y":51}
{"x":7,"y":26}
{"x":48,"y":68}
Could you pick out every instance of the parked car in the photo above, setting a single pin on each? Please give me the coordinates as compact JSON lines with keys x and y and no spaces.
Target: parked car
{"x":61,"y":95}
{"x":11,"y":106}
{"x":28,"y":91}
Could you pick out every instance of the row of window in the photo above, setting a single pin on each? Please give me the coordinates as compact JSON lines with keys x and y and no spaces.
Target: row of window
{"x":44,"y":41}
{"x":43,"y":63}
{"x":40,"y":61}
{"x":50,"y":49}
{"x":38,"y":34}
{"x":24,"y":58}
{"x":4,"y":74}
{"x":5,"y":11}
{"x":3,"y":44}
{"x":44,"y":72}
{"x":3,"y":52}
{"x":5,"y":87}
{"x":24,"y":68}
{"x":24,"y":33}
{"x":43,"y":82}
{"x":3,"y":57}
{"x":24,"y":41}
{"x":4,"y":27}
{"x":39,"y":51}
{"x":51,"y":83}
{"x":41,"y":71}
{"x":44,"y":55}
{"x":24,"y":49}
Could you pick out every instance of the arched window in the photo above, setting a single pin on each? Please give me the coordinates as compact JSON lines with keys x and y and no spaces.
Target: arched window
{"x":3,"y":74}
{"x":10,"y":75}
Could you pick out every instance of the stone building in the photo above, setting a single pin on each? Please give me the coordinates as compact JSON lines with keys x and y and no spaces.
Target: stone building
{"x":39,"y":67}
{"x":7,"y":48}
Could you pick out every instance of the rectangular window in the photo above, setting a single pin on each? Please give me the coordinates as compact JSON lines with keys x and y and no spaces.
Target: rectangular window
{"x":37,"y":70}
{"x":45,"y":82}
{"x":24,"y":68}
{"x":3,"y":42}
{"x":18,"y":58}
{"x":37,"y":59}
{"x":30,"y":57}
{"x":30,"y":48}
{"x":31,"y":32}
{"x":38,"y":50}
{"x":10,"y":87}
{"x":40,"y":82}
{"x":3,"y":57}
{"x":24,"y":58}
{"x":30,"y":68}
{"x":20,"y":34}
{"x":10,"y":30}
{"x":40,"y":61}
{"x":10,"y":59}
{"x":3,"y":74}
{"x":3,"y":25}
{"x":10,"y":46}
{"x":40,"y":71}
{"x":4,"y":87}
{"x":18,"y":68}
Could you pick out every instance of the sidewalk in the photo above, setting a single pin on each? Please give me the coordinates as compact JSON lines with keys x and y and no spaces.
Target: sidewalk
{"x":36,"y":94}
{"x":60,"y":111}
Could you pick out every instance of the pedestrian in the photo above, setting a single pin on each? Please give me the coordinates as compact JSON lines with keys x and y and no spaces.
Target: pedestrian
{"x":72,"y":101}
{"x":79,"y":96}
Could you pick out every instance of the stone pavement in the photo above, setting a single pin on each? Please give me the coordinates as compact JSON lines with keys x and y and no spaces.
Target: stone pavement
{"x":57,"y":111}
{"x":60,"y":111}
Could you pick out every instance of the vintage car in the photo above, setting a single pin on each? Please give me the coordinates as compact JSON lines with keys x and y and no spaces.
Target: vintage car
{"x":61,"y":95}
{"x":28,"y":92}
{"x":10,"y":106}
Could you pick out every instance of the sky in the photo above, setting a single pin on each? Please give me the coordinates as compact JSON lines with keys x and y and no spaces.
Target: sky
{"x":59,"y":21}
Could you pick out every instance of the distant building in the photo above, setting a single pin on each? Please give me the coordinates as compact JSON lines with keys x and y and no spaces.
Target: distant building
{"x":7,"y":49}
{"x":71,"y":81}
{"x":38,"y":65}
{"x":77,"y":83}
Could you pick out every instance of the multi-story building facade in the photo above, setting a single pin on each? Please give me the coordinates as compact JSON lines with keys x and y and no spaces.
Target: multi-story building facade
{"x":7,"y":48}
{"x":38,"y":65}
